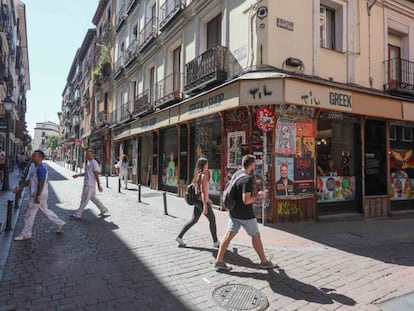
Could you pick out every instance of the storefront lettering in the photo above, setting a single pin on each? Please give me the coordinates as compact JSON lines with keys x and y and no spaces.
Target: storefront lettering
{"x":210,"y":103}
{"x":148,"y":123}
{"x":256,"y":92}
{"x":338,"y":99}
{"x":287,"y":208}
{"x":309,"y":99}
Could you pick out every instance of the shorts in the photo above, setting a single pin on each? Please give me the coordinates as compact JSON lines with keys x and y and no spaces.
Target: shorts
{"x":250,"y":225}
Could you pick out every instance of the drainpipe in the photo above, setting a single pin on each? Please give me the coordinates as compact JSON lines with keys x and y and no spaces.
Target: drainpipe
{"x":369,"y":8}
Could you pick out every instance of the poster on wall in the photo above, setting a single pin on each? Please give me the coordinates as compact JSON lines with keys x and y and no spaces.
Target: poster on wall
{"x":402,"y":189}
{"x":402,"y":174}
{"x":134,"y":157}
{"x":214,"y":182}
{"x":335,"y":188}
{"x":284,"y":176}
{"x":304,"y":175}
{"x":235,"y":140}
{"x":285,"y":137}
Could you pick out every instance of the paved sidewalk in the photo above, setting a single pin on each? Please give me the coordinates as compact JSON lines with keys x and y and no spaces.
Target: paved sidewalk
{"x":130,"y":261}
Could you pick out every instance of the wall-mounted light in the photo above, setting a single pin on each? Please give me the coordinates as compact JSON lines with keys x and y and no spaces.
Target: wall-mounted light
{"x":294,"y":62}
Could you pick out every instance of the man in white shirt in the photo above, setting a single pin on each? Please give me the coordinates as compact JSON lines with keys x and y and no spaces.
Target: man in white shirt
{"x":38,"y":185}
{"x":91,"y":179}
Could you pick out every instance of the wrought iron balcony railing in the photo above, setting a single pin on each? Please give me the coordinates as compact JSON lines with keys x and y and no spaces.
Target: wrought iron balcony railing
{"x":101,"y":119}
{"x":142,"y":104}
{"x":130,"y":4}
{"x":125,"y":112}
{"x":4,"y":19}
{"x":119,"y":66}
{"x":207,"y":69}
{"x":130,"y":53}
{"x":121,"y":17}
{"x":169,"y":10}
{"x":399,"y":75}
{"x":148,"y":33}
{"x":168,"y":90}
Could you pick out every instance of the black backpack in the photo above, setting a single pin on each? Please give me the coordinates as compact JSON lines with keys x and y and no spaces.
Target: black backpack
{"x":190,"y":194}
{"x":229,"y":200}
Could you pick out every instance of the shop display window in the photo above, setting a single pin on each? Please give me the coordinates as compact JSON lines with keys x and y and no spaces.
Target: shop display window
{"x":169,"y":157}
{"x":207,"y":144}
{"x":337,"y":146}
{"x":401,"y":164}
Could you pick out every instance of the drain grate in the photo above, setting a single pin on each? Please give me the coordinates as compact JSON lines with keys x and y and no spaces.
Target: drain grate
{"x":239,"y":297}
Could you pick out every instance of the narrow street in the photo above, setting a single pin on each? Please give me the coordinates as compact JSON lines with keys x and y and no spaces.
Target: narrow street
{"x":130,"y":261}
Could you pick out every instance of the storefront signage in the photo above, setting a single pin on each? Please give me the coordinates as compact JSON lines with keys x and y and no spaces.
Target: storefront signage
{"x":208,"y":103}
{"x":261,"y":92}
{"x":318,"y":96}
{"x":339,"y":99}
{"x":265,"y":119}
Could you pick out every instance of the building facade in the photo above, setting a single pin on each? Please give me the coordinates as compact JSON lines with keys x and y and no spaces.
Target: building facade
{"x":42,"y":131}
{"x":14,"y":76}
{"x":319,"y":95}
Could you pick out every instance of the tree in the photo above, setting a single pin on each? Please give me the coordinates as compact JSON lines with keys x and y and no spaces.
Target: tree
{"x":52,"y":143}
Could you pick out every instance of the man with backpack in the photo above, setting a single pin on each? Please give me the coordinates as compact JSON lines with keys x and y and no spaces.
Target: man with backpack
{"x":241,"y":214}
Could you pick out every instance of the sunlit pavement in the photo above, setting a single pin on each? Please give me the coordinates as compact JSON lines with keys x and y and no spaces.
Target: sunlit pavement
{"x":130,"y":261}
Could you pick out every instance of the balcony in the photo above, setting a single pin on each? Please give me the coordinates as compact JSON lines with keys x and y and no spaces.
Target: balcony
{"x":148,"y":33}
{"x":131,"y":53}
{"x":4,"y":19}
{"x":106,"y":29}
{"x":400,"y":76}
{"x":142,"y":104}
{"x":130,"y":4}
{"x":169,"y":10}
{"x":168,"y":90}
{"x":210,"y":68}
{"x":119,"y":66}
{"x":101,"y":119}
{"x":120,"y":17}
{"x":125,"y":113}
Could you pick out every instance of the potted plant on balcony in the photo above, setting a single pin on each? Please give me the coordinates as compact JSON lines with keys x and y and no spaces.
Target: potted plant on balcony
{"x":103,"y":69}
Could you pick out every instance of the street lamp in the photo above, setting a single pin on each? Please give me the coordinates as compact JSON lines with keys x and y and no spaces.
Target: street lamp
{"x":8,"y":106}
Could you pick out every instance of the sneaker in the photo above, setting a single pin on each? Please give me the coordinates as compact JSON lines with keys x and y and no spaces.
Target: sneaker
{"x":22,"y":237}
{"x":222,"y":266}
{"x":268,"y":265}
{"x":180,"y":241}
{"x":104,"y":214}
{"x":73,"y":217}
{"x":216,"y":244}
{"x":60,"y":228}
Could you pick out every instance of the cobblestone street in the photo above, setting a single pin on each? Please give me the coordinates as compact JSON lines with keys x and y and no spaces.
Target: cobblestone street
{"x":130,"y":261}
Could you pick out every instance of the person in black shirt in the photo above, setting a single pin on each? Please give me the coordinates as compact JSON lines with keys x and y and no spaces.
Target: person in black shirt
{"x":243,"y":216}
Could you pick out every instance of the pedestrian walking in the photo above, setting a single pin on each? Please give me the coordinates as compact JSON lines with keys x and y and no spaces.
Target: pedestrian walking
{"x":21,"y":162}
{"x":242,"y":215}
{"x":38,"y":186}
{"x":203,"y":204}
{"x":2,"y":163}
{"x":91,"y":179}
{"x":123,"y":170}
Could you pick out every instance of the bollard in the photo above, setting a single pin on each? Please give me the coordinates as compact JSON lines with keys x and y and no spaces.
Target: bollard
{"x":9,"y":215}
{"x":16,"y":200}
{"x":139,"y":193}
{"x":119,"y":185}
{"x":165,"y":203}
{"x":107,"y":181}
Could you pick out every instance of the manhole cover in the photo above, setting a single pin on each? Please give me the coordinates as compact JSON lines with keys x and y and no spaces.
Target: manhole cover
{"x":238,"y":297}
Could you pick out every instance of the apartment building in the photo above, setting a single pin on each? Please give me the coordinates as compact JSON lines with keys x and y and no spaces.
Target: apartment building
{"x":14,"y":76}
{"x":320,"y":91}
{"x":78,"y":101}
{"x":42,"y":131}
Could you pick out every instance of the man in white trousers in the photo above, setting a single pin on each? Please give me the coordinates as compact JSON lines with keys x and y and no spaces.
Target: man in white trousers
{"x":91,"y":179}
{"x":38,"y":185}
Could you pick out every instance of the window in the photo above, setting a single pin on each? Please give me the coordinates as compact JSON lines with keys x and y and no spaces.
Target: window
{"x":327,"y":27}
{"x":43,"y":134}
{"x":214,"y":32}
{"x":393,"y":132}
{"x":407,"y":134}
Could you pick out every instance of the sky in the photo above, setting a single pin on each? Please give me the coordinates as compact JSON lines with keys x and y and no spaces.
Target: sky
{"x":55,"y":30}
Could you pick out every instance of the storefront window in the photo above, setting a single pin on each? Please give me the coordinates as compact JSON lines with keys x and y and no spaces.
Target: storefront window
{"x":145,"y":159}
{"x":401,"y":165}
{"x":169,"y":157}
{"x":183,"y":154}
{"x":207,"y":143}
{"x":338,"y":152}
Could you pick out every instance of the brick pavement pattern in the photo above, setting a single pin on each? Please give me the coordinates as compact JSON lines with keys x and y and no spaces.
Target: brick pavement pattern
{"x":130,"y":261}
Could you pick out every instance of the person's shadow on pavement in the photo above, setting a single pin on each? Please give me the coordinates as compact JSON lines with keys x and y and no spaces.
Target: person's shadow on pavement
{"x":284,"y":285}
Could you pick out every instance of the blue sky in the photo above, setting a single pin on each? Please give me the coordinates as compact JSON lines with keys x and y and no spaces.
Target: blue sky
{"x":56,"y":29}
